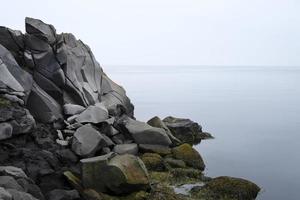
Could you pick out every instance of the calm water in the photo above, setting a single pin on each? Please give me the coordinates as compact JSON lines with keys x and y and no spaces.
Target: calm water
{"x":254,"y":113}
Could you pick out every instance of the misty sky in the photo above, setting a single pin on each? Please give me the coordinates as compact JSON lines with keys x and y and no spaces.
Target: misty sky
{"x":173,"y":32}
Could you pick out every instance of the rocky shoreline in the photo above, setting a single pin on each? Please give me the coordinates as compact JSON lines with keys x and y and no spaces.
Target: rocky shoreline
{"x":68,"y":132}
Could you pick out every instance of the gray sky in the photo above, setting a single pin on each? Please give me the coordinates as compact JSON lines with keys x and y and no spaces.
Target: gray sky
{"x":173,"y":32}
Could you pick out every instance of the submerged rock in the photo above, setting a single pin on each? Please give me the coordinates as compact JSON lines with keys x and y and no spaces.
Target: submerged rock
{"x":119,"y":174}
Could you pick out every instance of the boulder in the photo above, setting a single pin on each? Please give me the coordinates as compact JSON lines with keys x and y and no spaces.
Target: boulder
{"x":72,"y":109}
{"x":157,"y":122}
{"x":87,"y":140}
{"x":6,"y":131}
{"x":189,"y":155}
{"x":174,"y":163}
{"x":93,"y":114}
{"x":20,"y":195}
{"x":59,"y":194}
{"x":142,"y":133}
{"x":227,"y":188}
{"x":126,"y":149}
{"x":117,"y":174}
{"x":153,"y":161}
{"x":9,"y":182}
{"x":185,"y":130}
{"x":12,"y":171}
{"x":153,"y":148}
{"x":5,"y":195}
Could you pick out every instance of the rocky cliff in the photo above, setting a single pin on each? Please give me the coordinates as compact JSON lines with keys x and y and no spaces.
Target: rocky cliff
{"x":67,"y":131}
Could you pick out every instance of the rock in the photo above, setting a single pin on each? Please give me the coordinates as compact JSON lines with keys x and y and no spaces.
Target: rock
{"x":152,"y":148}
{"x":87,"y":140}
{"x":153,"y":161}
{"x":126,"y":149}
{"x":6,"y":131}
{"x":9,"y":182}
{"x":143,"y":133}
{"x":63,"y":195}
{"x":157,"y":122}
{"x":5,"y":195}
{"x":189,"y":155}
{"x":23,"y":124}
{"x":12,"y":171}
{"x":185,"y":130}
{"x":229,"y":188}
{"x":19,"y":195}
{"x":119,"y":174}
{"x":93,"y":114}
{"x":71,"y":109}
{"x":66,"y":155}
{"x":174,"y":163}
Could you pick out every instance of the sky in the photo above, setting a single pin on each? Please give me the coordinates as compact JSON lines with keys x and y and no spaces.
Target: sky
{"x":173,"y":32}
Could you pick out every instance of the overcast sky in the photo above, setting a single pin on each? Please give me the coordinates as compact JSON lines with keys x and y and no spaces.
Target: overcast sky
{"x":173,"y":32}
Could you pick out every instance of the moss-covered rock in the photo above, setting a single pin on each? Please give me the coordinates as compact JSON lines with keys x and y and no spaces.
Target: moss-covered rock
{"x":189,"y":155}
{"x":174,"y":163}
{"x":153,"y":161}
{"x":4,"y":102}
{"x":227,"y":188}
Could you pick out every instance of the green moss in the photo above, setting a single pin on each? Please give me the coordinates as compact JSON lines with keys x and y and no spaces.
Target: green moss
{"x":153,"y":161}
{"x":4,"y":102}
{"x":228,"y":188}
{"x":189,"y":155}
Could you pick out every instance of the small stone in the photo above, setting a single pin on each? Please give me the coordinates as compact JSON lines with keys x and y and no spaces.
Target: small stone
{"x":6,"y":131}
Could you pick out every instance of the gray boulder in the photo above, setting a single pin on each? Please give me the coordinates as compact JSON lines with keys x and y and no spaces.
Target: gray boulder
{"x":12,"y":171}
{"x":5,"y":131}
{"x":87,"y":140}
{"x":19,"y":195}
{"x":5,"y":195}
{"x":143,"y":133}
{"x":120,"y":174}
{"x":72,"y":109}
{"x":126,"y":149}
{"x":9,"y":182}
{"x":93,"y":114}
{"x":153,"y":148}
{"x":59,"y":194}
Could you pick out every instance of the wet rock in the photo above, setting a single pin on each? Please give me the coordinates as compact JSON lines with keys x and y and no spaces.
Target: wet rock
{"x":185,"y":130}
{"x":126,"y":149}
{"x":153,"y":148}
{"x":93,"y":114}
{"x":119,"y":174}
{"x":227,"y":187}
{"x":157,"y":122}
{"x":63,"y":195}
{"x":189,"y":155}
{"x":5,"y":131}
{"x":87,"y":140}
{"x":143,"y":133}
{"x":71,"y":109}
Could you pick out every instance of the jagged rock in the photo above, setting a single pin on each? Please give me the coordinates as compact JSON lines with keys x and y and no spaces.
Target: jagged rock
{"x":143,"y":133}
{"x":6,"y":131}
{"x":93,"y":114}
{"x":185,"y":130}
{"x":63,"y":195}
{"x":71,"y":109}
{"x":157,"y":122}
{"x":5,"y":195}
{"x":189,"y":155}
{"x":87,"y":140}
{"x":126,"y":149}
{"x":153,"y":148}
{"x":119,"y":174}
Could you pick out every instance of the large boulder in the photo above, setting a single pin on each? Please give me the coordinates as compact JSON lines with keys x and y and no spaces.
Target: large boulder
{"x":93,"y":114}
{"x":87,"y":140}
{"x":185,"y":130}
{"x":189,"y":155}
{"x":117,"y":174}
{"x":143,"y":133}
{"x":227,"y":188}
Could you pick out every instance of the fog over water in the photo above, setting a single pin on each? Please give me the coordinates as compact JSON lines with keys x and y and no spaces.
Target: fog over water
{"x":253,"y":112}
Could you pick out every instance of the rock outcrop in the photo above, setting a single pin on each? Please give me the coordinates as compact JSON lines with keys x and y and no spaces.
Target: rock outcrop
{"x":68,"y":132}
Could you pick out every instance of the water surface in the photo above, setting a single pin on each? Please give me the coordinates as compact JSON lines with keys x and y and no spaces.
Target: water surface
{"x":254,"y":113}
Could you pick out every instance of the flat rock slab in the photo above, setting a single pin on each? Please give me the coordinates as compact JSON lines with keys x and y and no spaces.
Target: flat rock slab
{"x":126,"y":149}
{"x":93,"y":114}
{"x":143,"y":133}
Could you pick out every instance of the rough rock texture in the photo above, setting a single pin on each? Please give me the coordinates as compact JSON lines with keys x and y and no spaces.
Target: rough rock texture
{"x":126,"y":149}
{"x":114,"y":173}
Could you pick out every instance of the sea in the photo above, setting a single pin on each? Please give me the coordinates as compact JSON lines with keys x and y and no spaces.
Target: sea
{"x":252,"y":111}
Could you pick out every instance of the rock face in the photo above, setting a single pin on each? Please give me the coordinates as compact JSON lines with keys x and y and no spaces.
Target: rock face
{"x":114,"y":173}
